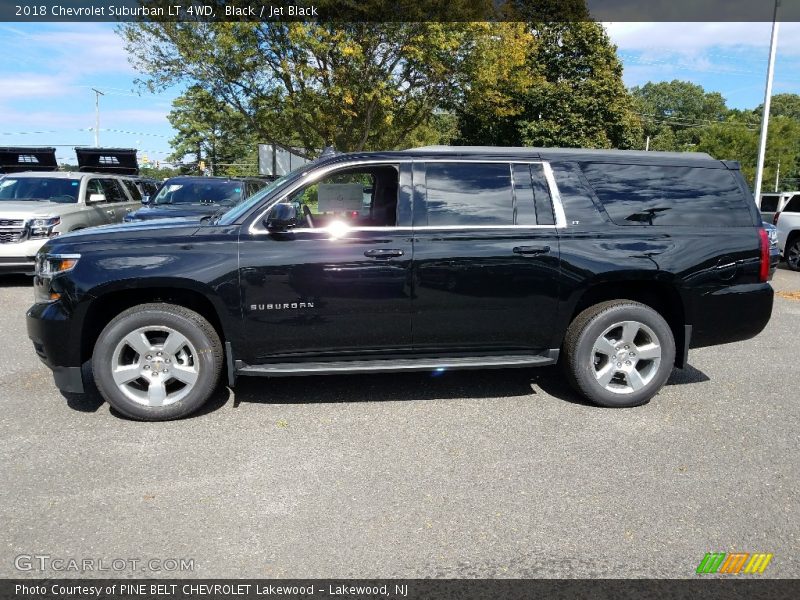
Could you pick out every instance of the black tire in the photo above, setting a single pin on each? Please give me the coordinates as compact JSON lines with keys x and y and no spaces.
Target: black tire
{"x":583,"y":364}
{"x":792,"y":253}
{"x":201,"y":354}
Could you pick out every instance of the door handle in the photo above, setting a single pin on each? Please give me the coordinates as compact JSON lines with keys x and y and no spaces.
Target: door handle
{"x":383,"y":253}
{"x":110,"y":212}
{"x":531,"y":250}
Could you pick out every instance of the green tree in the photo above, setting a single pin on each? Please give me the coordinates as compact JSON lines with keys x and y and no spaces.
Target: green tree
{"x":355,"y":86}
{"x":211,"y":131}
{"x":567,"y":91}
{"x":675,"y":113}
{"x":783,"y":105}
{"x":737,"y":139}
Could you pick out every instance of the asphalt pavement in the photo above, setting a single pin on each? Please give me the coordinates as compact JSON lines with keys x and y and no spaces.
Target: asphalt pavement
{"x":500,"y":473}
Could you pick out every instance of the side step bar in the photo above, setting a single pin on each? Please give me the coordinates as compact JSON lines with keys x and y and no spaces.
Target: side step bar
{"x":398,"y":365}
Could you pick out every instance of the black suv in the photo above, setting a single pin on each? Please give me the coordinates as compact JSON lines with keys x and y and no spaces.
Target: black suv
{"x":613,"y":263}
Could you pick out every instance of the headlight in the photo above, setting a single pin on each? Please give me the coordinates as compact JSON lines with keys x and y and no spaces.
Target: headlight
{"x":47,"y":266}
{"x":42,"y":227}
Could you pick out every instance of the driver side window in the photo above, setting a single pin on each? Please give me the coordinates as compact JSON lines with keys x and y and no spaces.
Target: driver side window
{"x":360,"y":197}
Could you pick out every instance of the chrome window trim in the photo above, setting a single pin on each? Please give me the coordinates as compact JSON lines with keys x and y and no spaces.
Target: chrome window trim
{"x":315,"y":175}
{"x":555,"y":196}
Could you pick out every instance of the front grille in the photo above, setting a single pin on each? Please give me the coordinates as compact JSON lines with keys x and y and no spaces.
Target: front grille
{"x":12,"y":223}
{"x":10,"y":237}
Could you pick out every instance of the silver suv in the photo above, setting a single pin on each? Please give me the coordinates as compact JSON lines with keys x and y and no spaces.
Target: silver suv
{"x":35,"y":206}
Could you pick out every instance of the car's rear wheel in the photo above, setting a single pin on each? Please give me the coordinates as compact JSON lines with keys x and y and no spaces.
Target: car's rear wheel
{"x":156,"y":362}
{"x":619,"y":353}
{"x":793,"y":254}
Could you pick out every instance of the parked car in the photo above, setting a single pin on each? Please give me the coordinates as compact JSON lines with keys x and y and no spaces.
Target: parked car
{"x":35,"y":206}
{"x":195,"y":197}
{"x":613,"y":263}
{"x":787,"y":222}
{"x":773,"y":203}
{"x":147,"y":187}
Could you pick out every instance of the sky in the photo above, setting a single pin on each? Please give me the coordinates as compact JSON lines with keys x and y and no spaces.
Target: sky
{"x":49,"y":70}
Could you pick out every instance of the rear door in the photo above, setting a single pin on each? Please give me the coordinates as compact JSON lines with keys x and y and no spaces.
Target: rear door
{"x":103,"y":211}
{"x":486,"y":257}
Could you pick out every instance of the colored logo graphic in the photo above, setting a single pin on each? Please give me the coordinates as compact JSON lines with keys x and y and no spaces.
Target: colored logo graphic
{"x":734,"y":563}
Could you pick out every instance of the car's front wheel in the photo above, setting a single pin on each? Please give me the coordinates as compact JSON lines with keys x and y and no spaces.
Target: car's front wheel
{"x":156,"y":362}
{"x":619,"y":353}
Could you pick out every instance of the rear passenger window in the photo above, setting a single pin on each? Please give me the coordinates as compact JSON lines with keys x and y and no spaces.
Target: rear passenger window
{"x":667,"y":195}
{"x":793,"y":205}
{"x":468,"y":194}
{"x":112,"y":190}
{"x":132,"y":189}
{"x":769,"y":203}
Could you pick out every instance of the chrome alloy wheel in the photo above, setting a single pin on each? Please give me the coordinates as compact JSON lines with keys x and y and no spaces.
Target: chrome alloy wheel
{"x":155,"y":366}
{"x":626,"y":357}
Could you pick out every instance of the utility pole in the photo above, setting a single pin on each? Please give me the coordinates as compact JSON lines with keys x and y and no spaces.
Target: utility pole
{"x":777,"y":175}
{"x":97,"y":94}
{"x":762,"y":147}
{"x":647,"y":145}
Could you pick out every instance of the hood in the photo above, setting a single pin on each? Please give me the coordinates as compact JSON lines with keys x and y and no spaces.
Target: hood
{"x":22,"y":209}
{"x":174,"y":210}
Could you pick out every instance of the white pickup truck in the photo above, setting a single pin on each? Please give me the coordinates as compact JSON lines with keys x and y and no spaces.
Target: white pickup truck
{"x":788,"y":223}
{"x":35,"y":206}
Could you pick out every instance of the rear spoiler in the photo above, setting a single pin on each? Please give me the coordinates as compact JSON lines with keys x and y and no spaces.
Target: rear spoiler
{"x":121,"y":161}
{"x":15,"y":160}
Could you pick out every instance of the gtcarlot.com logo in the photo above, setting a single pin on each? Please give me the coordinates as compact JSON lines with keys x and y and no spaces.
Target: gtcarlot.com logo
{"x":58,"y":564}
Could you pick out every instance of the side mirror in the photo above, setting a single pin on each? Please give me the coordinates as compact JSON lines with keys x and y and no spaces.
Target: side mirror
{"x":145,"y":199}
{"x":281,"y":217}
{"x":97,"y":198}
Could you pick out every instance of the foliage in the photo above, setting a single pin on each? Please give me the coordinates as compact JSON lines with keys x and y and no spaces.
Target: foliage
{"x":732,"y":139}
{"x":674,"y":113}
{"x":211,"y":131}
{"x":355,"y":86}
{"x":567,"y":91}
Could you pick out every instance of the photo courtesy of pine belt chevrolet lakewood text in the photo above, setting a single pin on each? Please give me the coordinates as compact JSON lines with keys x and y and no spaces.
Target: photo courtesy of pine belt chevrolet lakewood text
{"x":612,"y":263}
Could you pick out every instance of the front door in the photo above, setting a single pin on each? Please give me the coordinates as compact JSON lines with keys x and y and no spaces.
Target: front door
{"x":486,"y":258}
{"x":336,"y":285}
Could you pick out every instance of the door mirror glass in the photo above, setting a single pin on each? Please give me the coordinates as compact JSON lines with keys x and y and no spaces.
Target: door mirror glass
{"x":281,"y":217}
{"x":97,"y":198}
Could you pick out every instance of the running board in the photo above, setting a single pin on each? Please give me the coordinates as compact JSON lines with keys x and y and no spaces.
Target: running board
{"x":399,"y":365}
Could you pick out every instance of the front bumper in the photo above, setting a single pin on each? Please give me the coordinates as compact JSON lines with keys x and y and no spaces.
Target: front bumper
{"x":19,"y":257}
{"x":50,"y":330}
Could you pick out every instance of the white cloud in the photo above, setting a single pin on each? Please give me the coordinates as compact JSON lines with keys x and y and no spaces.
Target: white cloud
{"x":694,"y":38}
{"x":33,"y":85}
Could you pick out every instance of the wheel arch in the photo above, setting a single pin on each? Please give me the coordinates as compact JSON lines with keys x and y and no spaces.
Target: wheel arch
{"x":663,"y":297}
{"x":111,"y":300}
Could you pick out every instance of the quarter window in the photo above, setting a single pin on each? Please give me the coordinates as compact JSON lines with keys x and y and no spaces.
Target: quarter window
{"x":669,"y":195}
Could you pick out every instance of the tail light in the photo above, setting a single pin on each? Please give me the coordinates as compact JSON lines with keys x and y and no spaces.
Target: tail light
{"x":763,"y":246}
{"x":775,"y":218}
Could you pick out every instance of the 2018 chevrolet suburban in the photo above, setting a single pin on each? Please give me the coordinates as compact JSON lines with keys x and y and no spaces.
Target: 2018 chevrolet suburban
{"x":613,"y":263}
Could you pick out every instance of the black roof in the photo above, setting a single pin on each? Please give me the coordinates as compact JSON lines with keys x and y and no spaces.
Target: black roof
{"x":18,"y":159}
{"x":550,"y":154}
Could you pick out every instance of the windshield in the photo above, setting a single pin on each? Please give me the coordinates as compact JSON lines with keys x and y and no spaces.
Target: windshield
{"x":200,"y":192}
{"x":234,"y":213}
{"x":43,"y":189}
